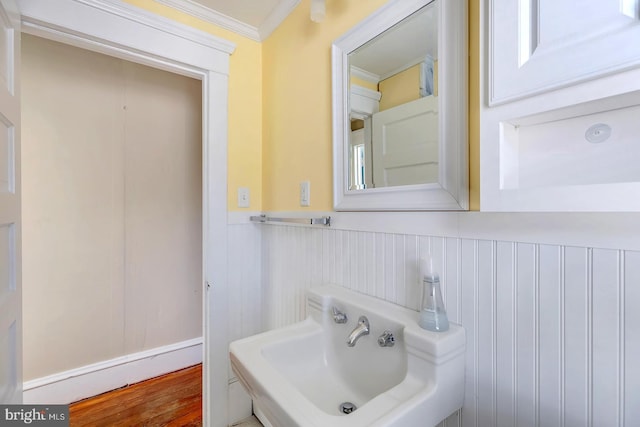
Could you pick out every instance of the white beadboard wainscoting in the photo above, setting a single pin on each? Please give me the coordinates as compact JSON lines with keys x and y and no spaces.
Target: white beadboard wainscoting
{"x":553,"y":330}
{"x":245,"y":297}
{"x":245,"y":280}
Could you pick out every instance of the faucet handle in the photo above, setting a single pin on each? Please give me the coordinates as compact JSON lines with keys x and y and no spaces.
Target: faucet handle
{"x":338,"y":316}
{"x":386,"y":339}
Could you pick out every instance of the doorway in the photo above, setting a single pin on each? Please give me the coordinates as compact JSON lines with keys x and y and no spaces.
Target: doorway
{"x":112,"y":207}
{"x":161,"y":43}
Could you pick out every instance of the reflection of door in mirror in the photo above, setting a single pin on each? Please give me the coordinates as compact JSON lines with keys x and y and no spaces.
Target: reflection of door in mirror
{"x":400,"y":138}
{"x":402,"y":74}
{"x":396,"y":146}
{"x":405,"y":144}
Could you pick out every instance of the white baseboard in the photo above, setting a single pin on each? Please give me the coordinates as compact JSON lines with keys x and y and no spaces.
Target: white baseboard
{"x":239,"y":402}
{"x":91,"y":380}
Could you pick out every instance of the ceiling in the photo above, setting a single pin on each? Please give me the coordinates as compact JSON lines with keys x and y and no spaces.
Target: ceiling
{"x":255,"y":19}
{"x":402,"y":46}
{"x":252,"y":12}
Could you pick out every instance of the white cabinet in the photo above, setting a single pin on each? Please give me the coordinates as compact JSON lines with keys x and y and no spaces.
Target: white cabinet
{"x":538,"y":45}
{"x":560,"y":115}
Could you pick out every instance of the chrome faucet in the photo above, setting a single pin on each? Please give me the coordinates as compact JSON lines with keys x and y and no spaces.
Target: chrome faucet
{"x":338,"y":316}
{"x":361,"y":330}
{"x":386,"y":339}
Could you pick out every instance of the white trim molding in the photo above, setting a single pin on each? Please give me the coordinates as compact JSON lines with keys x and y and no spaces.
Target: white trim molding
{"x":618,"y":230}
{"x":364,"y":102}
{"x":142,"y":36}
{"x":365,"y":75}
{"x":240,"y":404}
{"x":279,"y":14}
{"x":213,"y":17}
{"x":76,"y":384}
{"x":117,"y":29}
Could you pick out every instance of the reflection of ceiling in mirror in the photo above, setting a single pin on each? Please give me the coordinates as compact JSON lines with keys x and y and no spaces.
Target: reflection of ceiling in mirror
{"x":400,"y":47}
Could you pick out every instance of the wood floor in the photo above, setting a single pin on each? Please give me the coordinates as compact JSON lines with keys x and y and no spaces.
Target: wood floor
{"x":170,"y":400}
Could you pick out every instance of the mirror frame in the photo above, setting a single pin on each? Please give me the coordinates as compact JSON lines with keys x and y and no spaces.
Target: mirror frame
{"x":452,"y":190}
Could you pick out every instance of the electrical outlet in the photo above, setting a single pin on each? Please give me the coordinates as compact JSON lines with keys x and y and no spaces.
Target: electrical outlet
{"x":305,"y":193}
{"x":243,"y":197}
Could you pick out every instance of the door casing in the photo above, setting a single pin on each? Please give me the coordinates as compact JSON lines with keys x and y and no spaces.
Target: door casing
{"x":145,"y":38}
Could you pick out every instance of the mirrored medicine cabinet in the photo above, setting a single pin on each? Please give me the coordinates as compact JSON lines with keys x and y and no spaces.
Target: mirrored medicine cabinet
{"x":400,"y":109}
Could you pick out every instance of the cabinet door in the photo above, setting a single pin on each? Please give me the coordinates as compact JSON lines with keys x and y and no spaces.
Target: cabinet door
{"x":539,"y":45}
{"x":558,"y":121}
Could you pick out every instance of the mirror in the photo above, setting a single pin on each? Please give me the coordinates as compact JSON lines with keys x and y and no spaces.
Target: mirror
{"x":394,"y":132}
{"x":399,"y":109}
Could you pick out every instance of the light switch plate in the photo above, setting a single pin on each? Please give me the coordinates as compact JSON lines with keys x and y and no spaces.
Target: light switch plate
{"x":305,"y":193}
{"x":243,"y":197}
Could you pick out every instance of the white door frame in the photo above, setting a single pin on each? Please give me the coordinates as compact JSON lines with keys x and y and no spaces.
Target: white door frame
{"x":121,"y":30}
{"x":10,"y":209}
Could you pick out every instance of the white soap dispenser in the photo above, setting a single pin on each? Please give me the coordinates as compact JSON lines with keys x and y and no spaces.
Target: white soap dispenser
{"x":433,"y":316}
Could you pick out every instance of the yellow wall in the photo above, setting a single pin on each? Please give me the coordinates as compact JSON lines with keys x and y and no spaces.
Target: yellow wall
{"x":282,"y":88}
{"x":245,"y":105}
{"x":474,"y":105}
{"x":365,"y":84}
{"x":297,"y":143}
{"x":400,"y":88}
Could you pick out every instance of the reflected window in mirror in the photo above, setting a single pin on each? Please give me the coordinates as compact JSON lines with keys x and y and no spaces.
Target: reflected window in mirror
{"x":358,"y":170}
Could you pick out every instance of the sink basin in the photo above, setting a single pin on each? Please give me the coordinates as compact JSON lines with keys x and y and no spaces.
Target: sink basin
{"x":305,"y":374}
{"x":320,"y":365}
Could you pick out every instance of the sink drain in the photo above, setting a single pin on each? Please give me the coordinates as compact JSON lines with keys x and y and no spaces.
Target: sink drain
{"x":347,"y":407}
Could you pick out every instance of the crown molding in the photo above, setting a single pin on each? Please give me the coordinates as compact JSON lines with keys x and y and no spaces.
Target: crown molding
{"x":211,"y":16}
{"x":152,"y":20}
{"x":365,"y":75}
{"x":89,"y":24}
{"x":403,"y":67}
{"x":279,"y":14}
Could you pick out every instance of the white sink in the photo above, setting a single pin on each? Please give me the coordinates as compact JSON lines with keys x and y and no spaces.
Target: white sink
{"x":301,"y":374}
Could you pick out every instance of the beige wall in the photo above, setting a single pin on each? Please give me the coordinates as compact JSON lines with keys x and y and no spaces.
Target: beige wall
{"x":111,"y":206}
